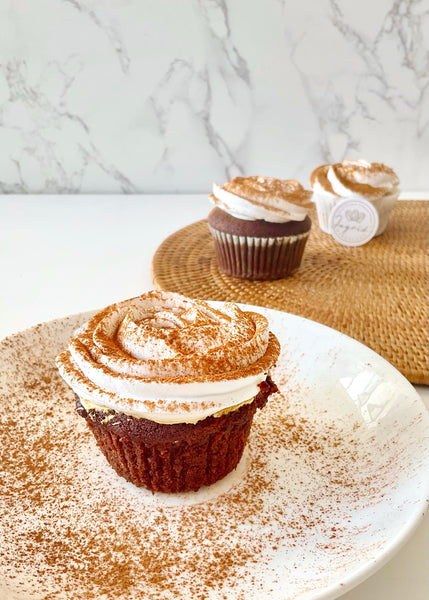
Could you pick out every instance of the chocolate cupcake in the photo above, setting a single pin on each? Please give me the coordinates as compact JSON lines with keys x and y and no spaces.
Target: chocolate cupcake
{"x":169,"y":386}
{"x":351,"y":180}
{"x":260,"y":226}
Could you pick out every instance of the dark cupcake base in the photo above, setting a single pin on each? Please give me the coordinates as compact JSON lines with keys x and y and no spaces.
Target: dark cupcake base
{"x":174,"y":458}
{"x":257,"y":250}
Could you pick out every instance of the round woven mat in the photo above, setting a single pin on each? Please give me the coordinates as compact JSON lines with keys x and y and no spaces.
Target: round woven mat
{"x":376,"y":293}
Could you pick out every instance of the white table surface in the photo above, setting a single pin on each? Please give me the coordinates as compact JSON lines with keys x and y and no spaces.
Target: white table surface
{"x":65,"y":254}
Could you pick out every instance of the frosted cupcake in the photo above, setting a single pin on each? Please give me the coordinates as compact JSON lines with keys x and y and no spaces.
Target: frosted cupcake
{"x":352,"y":180}
{"x":169,"y":386}
{"x":260,"y":226}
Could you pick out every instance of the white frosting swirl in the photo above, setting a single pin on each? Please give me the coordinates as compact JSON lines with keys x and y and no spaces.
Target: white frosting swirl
{"x":266,"y":198}
{"x":167,"y":358}
{"x":358,"y":179}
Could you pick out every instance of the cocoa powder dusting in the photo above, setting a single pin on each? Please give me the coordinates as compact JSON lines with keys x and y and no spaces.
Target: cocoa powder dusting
{"x":70,"y":528}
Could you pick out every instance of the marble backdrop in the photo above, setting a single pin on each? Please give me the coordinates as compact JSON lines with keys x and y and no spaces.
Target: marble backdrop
{"x":147,"y":96}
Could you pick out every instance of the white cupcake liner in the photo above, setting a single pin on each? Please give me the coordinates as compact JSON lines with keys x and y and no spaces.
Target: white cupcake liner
{"x":384,"y":207}
{"x":325,"y":204}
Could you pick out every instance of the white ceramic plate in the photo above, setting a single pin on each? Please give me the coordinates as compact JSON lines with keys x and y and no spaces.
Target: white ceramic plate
{"x":334,"y":480}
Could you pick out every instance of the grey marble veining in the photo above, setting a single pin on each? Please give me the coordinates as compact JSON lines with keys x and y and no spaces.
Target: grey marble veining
{"x":143,"y":96}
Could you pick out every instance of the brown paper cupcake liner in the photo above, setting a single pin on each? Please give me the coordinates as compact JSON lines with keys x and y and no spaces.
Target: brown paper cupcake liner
{"x":174,"y":458}
{"x":175,"y":468}
{"x":258,"y":258}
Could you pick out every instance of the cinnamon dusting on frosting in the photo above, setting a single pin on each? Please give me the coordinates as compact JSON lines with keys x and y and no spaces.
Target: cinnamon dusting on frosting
{"x":265,"y":198}
{"x":269,"y":190}
{"x":164,"y":353}
{"x":358,"y":178}
{"x":319,"y":177}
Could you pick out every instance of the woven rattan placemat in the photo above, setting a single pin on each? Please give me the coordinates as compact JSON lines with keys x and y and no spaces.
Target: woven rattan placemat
{"x":376,"y":293}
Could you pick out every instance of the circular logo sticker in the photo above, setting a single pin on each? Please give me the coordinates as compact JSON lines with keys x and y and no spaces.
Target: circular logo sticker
{"x":353,"y":222}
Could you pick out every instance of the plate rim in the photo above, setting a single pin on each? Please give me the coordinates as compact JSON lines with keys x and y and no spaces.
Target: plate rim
{"x":393,"y":545}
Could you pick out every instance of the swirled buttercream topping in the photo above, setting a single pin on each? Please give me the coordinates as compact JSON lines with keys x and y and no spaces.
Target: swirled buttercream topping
{"x":266,"y":198}
{"x":168,"y":358}
{"x":355,"y":179}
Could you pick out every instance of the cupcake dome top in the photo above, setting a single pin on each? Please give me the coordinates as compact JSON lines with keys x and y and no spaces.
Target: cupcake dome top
{"x":168,"y":358}
{"x":355,"y":179}
{"x":263,"y":198}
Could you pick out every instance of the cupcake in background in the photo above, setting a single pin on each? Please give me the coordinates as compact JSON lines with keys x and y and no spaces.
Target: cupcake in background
{"x":351,"y":180}
{"x":260,"y":226}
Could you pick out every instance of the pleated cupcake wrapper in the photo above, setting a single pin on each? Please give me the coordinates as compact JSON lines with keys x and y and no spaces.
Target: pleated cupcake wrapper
{"x":258,"y":258}
{"x":175,"y":467}
{"x":325,"y":205}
